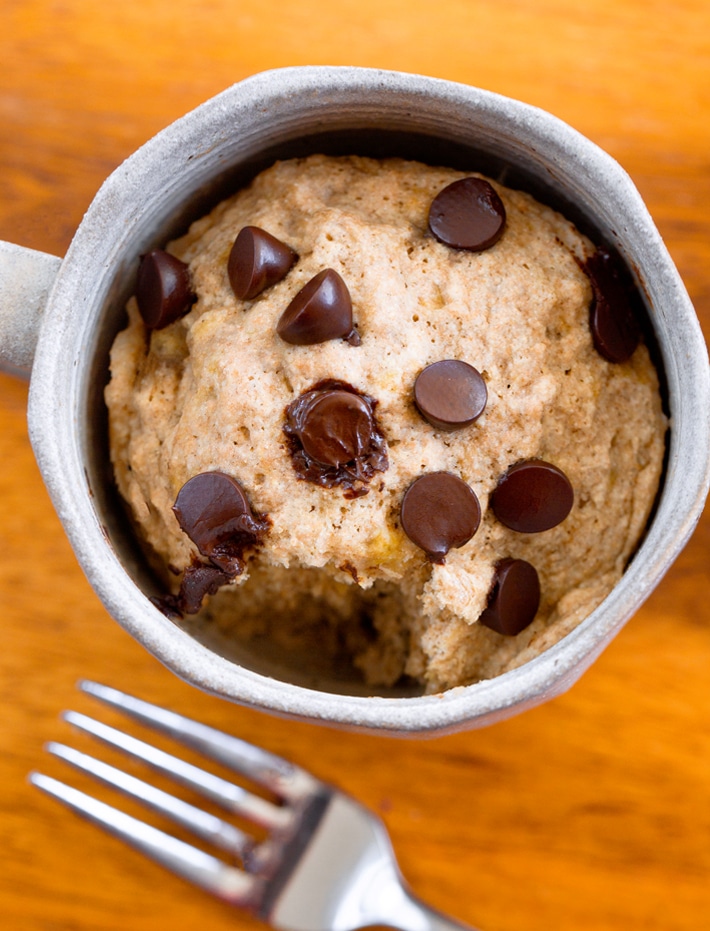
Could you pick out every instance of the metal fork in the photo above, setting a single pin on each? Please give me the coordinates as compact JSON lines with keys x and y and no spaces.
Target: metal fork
{"x":325,"y":864}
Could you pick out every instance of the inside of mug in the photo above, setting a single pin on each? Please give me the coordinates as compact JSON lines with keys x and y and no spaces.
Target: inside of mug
{"x":305,"y":669}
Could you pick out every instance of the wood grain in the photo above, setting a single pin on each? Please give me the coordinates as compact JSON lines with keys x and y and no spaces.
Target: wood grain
{"x":590,"y":813}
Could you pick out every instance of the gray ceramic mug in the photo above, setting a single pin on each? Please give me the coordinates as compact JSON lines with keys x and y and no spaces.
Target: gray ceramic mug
{"x":58,"y":317}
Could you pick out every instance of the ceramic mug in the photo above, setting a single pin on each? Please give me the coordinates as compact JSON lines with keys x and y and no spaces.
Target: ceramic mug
{"x":59,"y":317}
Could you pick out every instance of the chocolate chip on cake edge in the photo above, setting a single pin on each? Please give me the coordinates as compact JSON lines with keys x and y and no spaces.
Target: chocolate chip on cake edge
{"x":439,"y":512}
{"x":163,"y":289}
{"x":615,"y":329}
{"x":513,"y":599}
{"x":214,"y":512}
{"x":468,"y":214}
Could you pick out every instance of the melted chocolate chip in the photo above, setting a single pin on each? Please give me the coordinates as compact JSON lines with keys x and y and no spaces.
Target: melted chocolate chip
{"x":514,"y":597}
{"x":257,"y":261}
{"x":450,"y":394}
{"x":199,"y":581}
{"x":439,"y":512}
{"x":335,"y":438}
{"x":335,"y":427}
{"x":532,"y":496}
{"x":322,"y":310}
{"x":163,"y":289}
{"x":615,"y":328}
{"x":214,"y":512}
{"x":467,"y":214}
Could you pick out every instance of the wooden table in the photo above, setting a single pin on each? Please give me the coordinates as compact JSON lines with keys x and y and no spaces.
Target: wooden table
{"x":592,"y":812}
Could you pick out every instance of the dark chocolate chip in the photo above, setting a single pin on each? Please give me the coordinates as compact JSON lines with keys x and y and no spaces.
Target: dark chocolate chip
{"x":335,"y":437}
{"x":532,"y":496}
{"x":467,"y":214}
{"x":450,"y":394}
{"x":335,"y":427}
{"x":163,"y":289}
{"x":199,"y":581}
{"x":214,"y":512}
{"x":322,"y":310}
{"x":615,"y":328}
{"x":439,"y":512}
{"x":514,"y":597}
{"x":257,"y":261}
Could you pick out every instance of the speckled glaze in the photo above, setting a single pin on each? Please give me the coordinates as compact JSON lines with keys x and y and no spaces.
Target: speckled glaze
{"x":160,"y":188}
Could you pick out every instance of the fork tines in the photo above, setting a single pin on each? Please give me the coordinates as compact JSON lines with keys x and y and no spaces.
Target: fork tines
{"x":288,"y":783}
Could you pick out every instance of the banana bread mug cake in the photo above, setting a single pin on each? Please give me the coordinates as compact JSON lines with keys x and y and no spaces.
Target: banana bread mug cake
{"x":386,"y":408}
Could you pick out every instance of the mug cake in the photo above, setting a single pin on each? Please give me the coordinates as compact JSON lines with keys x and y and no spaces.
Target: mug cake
{"x":388,"y":411}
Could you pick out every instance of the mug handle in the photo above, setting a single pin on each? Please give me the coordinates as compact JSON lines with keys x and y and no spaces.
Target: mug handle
{"x":26,"y":278}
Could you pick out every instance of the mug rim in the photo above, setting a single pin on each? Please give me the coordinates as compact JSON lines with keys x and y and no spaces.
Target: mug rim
{"x":58,"y":383}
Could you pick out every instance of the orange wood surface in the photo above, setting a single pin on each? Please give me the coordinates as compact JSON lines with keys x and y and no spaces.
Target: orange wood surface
{"x":590,"y":813}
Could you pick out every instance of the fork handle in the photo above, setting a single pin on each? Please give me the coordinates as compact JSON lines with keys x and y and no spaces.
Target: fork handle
{"x":397,"y":907}
{"x":417,"y":916}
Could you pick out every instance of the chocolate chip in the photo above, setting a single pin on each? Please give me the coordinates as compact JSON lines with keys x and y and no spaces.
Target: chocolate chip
{"x":322,"y":310}
{"x":335,"y":427}
{"x":450,"y":394}
{"x":199,"y":581}
{"x":335,"y":437}
{"x":163,"y":289}
{"x":467,"y":214}
{"x":214,"y":512}
{"x":613,"y":322}
{"x":439,"y":512}
{"x":257,"y":261}
{"x":532,"y":496}
{"x":514,"y":597}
